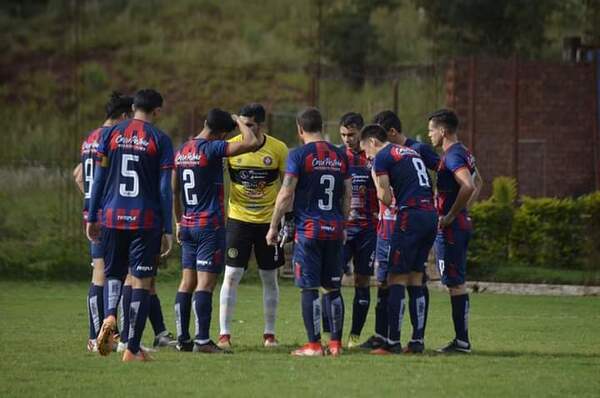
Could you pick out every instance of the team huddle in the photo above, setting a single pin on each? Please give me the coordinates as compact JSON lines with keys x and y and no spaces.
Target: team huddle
{"x":369,"y":203}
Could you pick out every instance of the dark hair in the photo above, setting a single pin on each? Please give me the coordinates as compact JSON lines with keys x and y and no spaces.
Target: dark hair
{"x":117,"y":105}
{"x":352,"y":119}
{"x":254,"y":110}
{"x":310,"y":120}
{"x":220,"y":121}
{"x":373,"y":131}
{"x":147,"y":100}
{"x":445,"y":118}
{"x":388,"y":120}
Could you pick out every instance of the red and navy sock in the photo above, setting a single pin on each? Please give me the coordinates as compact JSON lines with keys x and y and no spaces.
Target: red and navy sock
{"x":183,"y":306}
{"x":156,"y":315}
{"x":334,"y":306}
{"x":360,"y":308}
{"x":311,"y":314}
{"x":324,"y":317}
{"x":138,"y":314}
{"x":381,"y":312}
{"x":202,"y":304}
{"x":460,"y":316}
{"x":416,"y":307}
{"x":395,"y":313}
{"x":95,"y":309}
{"x":112,"y":294}
{"x":124,"y":307}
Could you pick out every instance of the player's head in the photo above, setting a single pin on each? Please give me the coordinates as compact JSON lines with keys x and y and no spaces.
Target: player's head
{"x":219,"y":123}
{"x":309,"y":121}
{"x":253,"y":116}
{"x":118,"y":107}
{"x":442,"y":123}
{"x":350,"y":125}
{"x":372,"y":138}
{"x":148,"y":101}
{"x":391,"y":124}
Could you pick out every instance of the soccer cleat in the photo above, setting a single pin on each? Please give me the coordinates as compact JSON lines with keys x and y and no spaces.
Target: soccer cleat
{"x":92,"y":346}
{"x":224,"y":342}
{"x":335,"y":348}
{"x":455,"y":346}
{"x":353,"y":341}
{"x":414,"y":347}
{"x":122,"y":347}
{"x":141,"y":356}
{"x":269,"y":340}
{"x":105,"y":337}
{"x":164,"y":339}
{"x":388,"y":349}
{"x":210,"y":348}
{"x":185,"y":346}
{"x":373,"y":343}
{"x":309,"y":350}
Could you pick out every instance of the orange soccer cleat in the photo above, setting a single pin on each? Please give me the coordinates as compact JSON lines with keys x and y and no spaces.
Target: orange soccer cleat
{"x":141,"y":356}
{"x":335,"y":348}
{"x":309,"y":350}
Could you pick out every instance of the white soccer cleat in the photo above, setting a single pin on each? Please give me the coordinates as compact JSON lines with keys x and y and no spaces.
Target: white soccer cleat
{"x":269,"y":340}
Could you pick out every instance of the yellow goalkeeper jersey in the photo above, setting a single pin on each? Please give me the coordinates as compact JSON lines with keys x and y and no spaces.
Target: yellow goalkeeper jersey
{"x":255,"y":181}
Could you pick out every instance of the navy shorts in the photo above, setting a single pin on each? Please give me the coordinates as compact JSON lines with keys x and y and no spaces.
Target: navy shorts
{"x":203,"y":249}
{"x":451,"y":245}
{"x":382,"y":253}
{"x":96,"y":250}
{"x":318,"y":263}
{"x":360,"y":247}
{"x":136,"y":250}
{"x":412,"y":240}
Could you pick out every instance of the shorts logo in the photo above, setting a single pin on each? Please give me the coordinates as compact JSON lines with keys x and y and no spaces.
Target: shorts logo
{"x":232,"y":252}
{"x":267,"y":160}
{"x":143,"y":268}
{"x":204,"y":262}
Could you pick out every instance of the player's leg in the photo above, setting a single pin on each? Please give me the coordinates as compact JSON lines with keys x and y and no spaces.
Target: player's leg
{"x":269,"y":258}
{"x":238,"y":251}
{"x":162,"y":337}
{"x":331,"y":278}
{"x":143,"y":253}
{"x":307,"y":270}
{"x":453,"y":254}
{"x":124,"y":305}
{"x":348,"y":252}
{"x":183,"y":299}
{"x":363,"y":270}
{"x":209,"y":264}
{"x":381,"y":322}
{"x":95,"y":296}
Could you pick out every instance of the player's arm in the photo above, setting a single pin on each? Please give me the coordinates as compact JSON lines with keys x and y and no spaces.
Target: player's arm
{"x":166,"y":207}
{"x":347,"y":198}
{"x":78,"y":176}
{"x":467,"y":188}
{"x":177,"y":207}
{"x":283,"y":204}
{"x":382,"y":185}
{"x":478,"y":183}
{"x":101,"y":172}
{"x":248,"y":143}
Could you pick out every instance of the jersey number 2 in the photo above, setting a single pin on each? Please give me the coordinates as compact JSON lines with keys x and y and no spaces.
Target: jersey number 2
{"x":330,"y":181}
{"x":189,"y":184}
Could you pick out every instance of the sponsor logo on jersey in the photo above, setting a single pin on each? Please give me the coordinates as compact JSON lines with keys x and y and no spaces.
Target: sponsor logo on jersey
{"x":327,"y":163}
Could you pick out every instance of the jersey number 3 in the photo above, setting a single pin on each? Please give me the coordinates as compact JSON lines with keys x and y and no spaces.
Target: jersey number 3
{"x":330,"y":181}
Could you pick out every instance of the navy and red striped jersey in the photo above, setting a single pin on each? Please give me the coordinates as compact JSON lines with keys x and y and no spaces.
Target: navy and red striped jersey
{"x":199,"y":167}
{"x":408,"y":176}
{"x":321,"y":169}
{"x":455,"y":158}
{"x":136,"y":152}
{"x":363,"y":205}
{"x":428,"y":154}
{"x":89,"y":148}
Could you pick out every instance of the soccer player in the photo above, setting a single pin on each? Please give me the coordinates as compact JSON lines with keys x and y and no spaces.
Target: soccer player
{"x":255,"y":180}
{"x":458,"y":184}
{"x":360,"y":226}
{"x":118,"y":108}
{"x":199,"y":209}
{"x":132,"y":187}
{"x":403,"y":170}
{"x":318,"y":188}
{"x":393,"y":127}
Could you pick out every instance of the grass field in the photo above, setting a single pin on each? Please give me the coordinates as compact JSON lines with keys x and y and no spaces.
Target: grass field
{"x":523,"y":346}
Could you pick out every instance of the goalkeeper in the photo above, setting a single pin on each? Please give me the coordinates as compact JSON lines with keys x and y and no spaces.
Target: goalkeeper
{"x":255,"y":182}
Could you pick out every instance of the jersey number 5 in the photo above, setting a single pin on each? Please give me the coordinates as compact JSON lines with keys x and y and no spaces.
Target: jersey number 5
{"x":128,"y":172}
{"x":330,"y":181}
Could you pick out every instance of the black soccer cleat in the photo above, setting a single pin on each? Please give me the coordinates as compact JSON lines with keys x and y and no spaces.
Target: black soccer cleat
{"x":414,"y":347}
{"x":373,"y":343}
{"x":185,"y":346}
{"x":164,"y":339}
{"x":455,"y":346}
{"x":388,"y":349}
{"x":210,"y":348}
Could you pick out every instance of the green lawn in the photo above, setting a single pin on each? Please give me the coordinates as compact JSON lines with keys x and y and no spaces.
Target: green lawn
{"x":523,"y":346}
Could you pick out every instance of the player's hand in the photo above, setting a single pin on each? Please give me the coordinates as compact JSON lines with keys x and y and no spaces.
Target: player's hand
{"x":272,"y":237}
{"x":92,"y":230}
{"x":445,"y":221}
{"x":167,"y":245}
{"x":178,"y":233}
